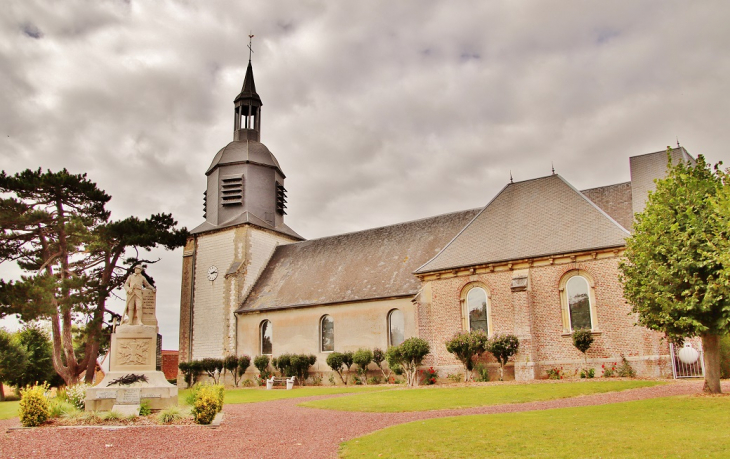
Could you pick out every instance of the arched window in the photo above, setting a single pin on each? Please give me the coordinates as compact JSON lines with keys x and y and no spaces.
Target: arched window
{"x":327,"y":334}
{"x":266,"y":337}
{"x":476,"y":309}
{"x":578,"y":302}
{"x":396,"y":327}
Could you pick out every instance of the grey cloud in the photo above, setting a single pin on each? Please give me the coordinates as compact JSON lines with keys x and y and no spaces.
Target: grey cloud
{"x":378,"y":112}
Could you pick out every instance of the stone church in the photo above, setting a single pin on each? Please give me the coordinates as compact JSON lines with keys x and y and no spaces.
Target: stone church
{"x":539,"y":260}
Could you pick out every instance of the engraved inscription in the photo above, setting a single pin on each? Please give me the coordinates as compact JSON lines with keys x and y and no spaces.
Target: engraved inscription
{"x":133,"y":351}
{"x":106,"y":394}
{"x":149,"y":299}
{"x":128,"y":396}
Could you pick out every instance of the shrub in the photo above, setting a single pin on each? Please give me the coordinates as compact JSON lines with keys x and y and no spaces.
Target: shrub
{"x":482,"y":373}
{"x":429,"y":376}
{"x":587,"y":373}
{"x":58,"y":407}
{"x":76,"y":395}
{"x":466,"y":346}
{"x":261,"y":362}
{"x":212,"y":367}
{"x":502,"y":347}
{"x":378,"y":359}
{"x":112,"y":416}
{"x":335,"y":361}
{"x":244,"y":362}
{"x":409,"y":355}
{"x":33,"y":410}
{"x":316,"y":380}
{"x":555,"y":373}
{"x":609,"y":371}
{"x":347,"y":360}
{"x":374,"y":380}
{"x":207,"y":404}
{"x":169,"y":415}
{"x":626,"y":370}
{"x":248,"y":383}
{"x":294,"y":365}
{"x":193,"y":394}
{"x":362,"y":358}
{"x":454,"y":377}
{"x":230,"y":365}
{"x":582,"y":340}
{"x":190,"y":370}
{"x":144,"y":408}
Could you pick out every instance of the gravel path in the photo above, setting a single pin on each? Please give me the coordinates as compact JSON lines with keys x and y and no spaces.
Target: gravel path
{"x":277,"y":429}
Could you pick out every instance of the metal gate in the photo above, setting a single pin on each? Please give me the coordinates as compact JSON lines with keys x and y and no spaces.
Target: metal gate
{"x":688,"y":361}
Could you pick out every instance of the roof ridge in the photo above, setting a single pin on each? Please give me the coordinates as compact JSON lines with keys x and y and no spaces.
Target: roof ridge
{"x":409,"y":222}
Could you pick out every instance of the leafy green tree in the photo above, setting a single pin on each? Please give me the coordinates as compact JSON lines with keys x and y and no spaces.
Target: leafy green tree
{"x":57,"y":230}
{"x":244,"y":362}
{"x":37,"y":345}
{"x":13,"y":359}
{"x":502,"y":347}
{"x":409,"y":355}
{"x":466,"y":346}
{"x":673,"y":273}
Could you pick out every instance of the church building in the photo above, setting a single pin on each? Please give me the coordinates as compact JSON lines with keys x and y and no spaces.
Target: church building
{"x":538,"y":261}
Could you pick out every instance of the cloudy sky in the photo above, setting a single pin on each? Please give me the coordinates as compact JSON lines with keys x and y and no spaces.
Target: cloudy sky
{"x":378,"y":112}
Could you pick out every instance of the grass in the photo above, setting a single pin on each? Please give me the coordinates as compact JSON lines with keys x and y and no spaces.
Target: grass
{"x":9,"y":409}
{"x":238,"y":396}
{"x":687,"y":426}
{"x":440,"y":398}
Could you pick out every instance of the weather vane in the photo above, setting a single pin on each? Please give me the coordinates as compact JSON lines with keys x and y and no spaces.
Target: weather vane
{"x":250,"y":50}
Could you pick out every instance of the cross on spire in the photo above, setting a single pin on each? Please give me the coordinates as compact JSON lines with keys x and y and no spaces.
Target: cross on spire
{"x":250,"y":50}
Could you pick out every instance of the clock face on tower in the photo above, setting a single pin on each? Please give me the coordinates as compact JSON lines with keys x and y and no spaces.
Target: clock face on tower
{"x":212,"y":273}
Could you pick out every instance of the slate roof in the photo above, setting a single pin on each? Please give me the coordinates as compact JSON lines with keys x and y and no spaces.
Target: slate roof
{"x":248,"y":90}
{"x":538,"y":217}
{"x":370,"y":264}
{"x":244,"y":151}
{"x":246,"y":217}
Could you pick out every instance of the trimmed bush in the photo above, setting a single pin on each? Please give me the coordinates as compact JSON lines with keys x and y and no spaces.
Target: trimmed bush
{"x":294,"y":365}
{"x":335,"y":361}
{"x":408,"y":355}
{"x":33,"y":410}
{"x":208,"y":402}
{"x":362,"y":358}
{"x":502,"y":347}
{"x":261,"y":362}
{"x":466,"y":346}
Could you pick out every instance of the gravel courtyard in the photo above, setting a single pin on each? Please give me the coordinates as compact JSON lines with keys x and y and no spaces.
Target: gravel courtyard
{"x":277,"y":429}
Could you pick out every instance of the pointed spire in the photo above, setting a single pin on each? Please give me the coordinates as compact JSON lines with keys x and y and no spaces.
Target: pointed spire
{"x":248,"y":91}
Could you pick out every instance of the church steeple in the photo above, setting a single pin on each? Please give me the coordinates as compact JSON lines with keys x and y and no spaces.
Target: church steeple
{"x":247,"y":108}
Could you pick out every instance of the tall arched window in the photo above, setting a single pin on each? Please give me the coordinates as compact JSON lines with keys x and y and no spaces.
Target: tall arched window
{"x":578,"y":303}
{"x":327,"y":334}
{"x":476,"y":309}
{"x":396,"y":327}
{"x":266,"y":337}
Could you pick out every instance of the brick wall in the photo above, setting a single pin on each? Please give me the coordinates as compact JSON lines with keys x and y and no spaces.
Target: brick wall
{"x":548,"y":345}
{"x":615,"y":200}
{"x":169,"y":364}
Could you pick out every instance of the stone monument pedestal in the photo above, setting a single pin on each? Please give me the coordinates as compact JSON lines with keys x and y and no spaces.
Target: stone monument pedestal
{"x":133,"y":356}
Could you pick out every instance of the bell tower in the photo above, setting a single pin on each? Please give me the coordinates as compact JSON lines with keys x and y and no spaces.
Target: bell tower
{"x":247,"y":110}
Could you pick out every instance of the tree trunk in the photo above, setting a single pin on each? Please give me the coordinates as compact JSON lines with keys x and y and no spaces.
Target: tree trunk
{"x":711,"y":357}
{"x":2,"y":393}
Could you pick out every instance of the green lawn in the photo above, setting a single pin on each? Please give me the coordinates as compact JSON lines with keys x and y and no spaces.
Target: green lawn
{"x":236,"y":396}
{"x":9,"y":409}
{"x":682,"y":427}
{"x":439,"y":398}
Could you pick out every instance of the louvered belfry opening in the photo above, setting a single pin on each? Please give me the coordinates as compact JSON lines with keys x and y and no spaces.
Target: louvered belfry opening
{"x":280,"y":199}
{"x":232,"y":190}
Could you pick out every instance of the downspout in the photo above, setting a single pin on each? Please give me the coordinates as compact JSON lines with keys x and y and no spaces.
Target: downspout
{"x":192,"y":299}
